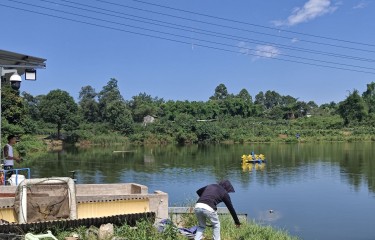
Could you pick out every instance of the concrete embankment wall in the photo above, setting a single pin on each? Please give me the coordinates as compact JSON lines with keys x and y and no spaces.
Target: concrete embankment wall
{"x":98,"y":200}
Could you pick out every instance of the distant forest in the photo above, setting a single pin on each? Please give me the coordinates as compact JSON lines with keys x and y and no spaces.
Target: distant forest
{"x":105,"y":117}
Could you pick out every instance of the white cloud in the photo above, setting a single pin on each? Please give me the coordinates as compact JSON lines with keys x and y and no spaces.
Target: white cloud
{"x":312,"y":9}
{"x":260,"y":51}
{"x":294,"y":40}
{"x":244,"y":48}
{"x":267,"y":51}
{"x":360,"y":5}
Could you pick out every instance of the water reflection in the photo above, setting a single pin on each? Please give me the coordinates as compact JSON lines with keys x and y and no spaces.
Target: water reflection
{"x":249,"y":167}
{"x":285,"y":163}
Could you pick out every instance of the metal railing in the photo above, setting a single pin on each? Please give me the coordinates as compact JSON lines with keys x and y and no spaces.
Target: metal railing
{"x":16,"y":170}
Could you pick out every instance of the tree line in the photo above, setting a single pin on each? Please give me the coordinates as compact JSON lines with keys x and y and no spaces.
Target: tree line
{"x":224,"y":116}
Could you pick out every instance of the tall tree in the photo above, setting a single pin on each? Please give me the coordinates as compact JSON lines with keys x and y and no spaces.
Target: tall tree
{"x":114,"y":109}
{"x":352,"y":108}
{"x":88,"y":104}
{"x":119,"y":116}
{"x":369,"y":97}
{"x":245,"y":96}
{"x":288,"y":100}
{"x":59,"y":108}
{"x":12,"y":105}
{"x":32,"y":105}
{"x":288,"y":105}
{"x":259,"y":99}
{"x":272,"y":99}
{"x":108,"y":95}
{"x":221,"y":92}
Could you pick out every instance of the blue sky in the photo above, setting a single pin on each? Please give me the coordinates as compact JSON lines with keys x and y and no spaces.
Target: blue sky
{"x":79,"y":54}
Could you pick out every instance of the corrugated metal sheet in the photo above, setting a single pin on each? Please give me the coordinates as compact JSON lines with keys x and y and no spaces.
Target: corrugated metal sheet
{"x":129,"y":219}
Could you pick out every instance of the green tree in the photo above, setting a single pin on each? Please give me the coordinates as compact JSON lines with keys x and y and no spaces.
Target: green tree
{"x":275,"y":113}
{"x":12,"y":105}
{"x":301,"y":108}
{"x":209,"y":132}
{"x":328,"y":108}
{"x":59,"y":108}
{"x":89,"y":107}
{"x":119,"y":116}
{"x":312,"y":105}
{"x":221,"y":92}
{"x":143,"y":105}
{"x":185,"y":128}
{"x":31,"y":104}
{"x":237,"y":107}
{"x":369,"y":97}
{"x":271,"y":99}
{"x":288,"y":104}
{"x":114,"y":109}
{"x":288,"y":100}
{"x":352,"y":108}
{"x":245,"y":96}
{"x":259,"y":99}
{"x":109,"y":94}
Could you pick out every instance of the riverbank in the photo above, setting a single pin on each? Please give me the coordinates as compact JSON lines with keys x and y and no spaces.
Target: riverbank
{"x":32,"y":145}
{"x":146,"y":230}
{"x":155,"y":139}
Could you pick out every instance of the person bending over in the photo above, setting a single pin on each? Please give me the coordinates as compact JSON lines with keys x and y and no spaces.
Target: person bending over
{"x":205,"y":208}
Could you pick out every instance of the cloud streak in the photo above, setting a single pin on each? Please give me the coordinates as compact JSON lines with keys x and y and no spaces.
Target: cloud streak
{"x":361,"y":5}
{"x":310,"y":10}
{"x":260,"y":51}
{"x":267,"y":51}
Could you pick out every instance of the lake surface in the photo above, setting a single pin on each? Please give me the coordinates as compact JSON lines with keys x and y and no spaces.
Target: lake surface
{"x":316,"y":190}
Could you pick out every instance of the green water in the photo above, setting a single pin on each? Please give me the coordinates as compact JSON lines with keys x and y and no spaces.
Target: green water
{"x":316,"y":190}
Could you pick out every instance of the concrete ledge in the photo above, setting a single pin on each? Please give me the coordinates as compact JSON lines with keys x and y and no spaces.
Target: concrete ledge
{"x":159,"y":205}
{"x":110,"y":189}
{"x":176,"y":213}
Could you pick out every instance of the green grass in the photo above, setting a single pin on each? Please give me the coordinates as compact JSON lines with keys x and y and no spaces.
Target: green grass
{"x":250,"y":231}
{"x":247,"y":231}
{"x":145,"y":230}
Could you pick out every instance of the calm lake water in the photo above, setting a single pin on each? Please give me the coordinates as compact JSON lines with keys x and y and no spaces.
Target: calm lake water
{"x":316,"y":191}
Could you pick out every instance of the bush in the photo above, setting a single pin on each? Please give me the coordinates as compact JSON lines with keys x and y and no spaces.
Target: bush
{"x":29,"y":144}
{"x":209,"y":132}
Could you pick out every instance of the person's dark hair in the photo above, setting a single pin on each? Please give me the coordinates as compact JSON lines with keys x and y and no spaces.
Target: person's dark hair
{"x":10,"y":137}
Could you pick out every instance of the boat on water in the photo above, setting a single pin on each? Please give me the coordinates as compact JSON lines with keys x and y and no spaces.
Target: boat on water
{"x":253,"y":158}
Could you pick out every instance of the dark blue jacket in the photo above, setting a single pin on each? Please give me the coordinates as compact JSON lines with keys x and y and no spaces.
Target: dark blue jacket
{"x":214,"y":194}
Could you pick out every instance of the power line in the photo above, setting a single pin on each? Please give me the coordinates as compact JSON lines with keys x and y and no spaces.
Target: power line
{"x":197,"y":39}
{"x":255,"y":25}
{"x":177,"y":41}
{"x":230,"y":27}
{"x":204,"y":32}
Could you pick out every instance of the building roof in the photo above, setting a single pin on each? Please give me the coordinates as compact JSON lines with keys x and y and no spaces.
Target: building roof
{"x":12,"y":60}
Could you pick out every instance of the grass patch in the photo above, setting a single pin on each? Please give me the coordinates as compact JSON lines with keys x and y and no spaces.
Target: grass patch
{"x":145,"y":230}
{"x":247,"y":231}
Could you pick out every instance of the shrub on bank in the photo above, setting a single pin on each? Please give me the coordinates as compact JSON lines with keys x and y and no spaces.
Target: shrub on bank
{"x":29,"y":144}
